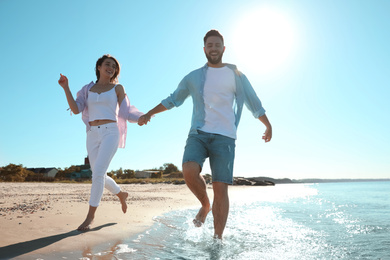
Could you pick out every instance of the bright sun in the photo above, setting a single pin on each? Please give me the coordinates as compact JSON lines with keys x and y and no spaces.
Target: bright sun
{"x":263,"y":40}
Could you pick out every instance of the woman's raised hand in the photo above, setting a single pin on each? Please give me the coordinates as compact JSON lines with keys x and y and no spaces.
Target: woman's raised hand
{"x":63,"y":81}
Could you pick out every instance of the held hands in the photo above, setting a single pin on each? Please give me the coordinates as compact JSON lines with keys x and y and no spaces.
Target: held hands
{"x":63,"y":81}
{"x":144,"y":119}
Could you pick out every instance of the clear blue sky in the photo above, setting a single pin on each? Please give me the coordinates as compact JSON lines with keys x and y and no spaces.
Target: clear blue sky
{"x":321,"y":69}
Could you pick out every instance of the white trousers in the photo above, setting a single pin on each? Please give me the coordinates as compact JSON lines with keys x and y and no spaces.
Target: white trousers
{"x":102,"y":144}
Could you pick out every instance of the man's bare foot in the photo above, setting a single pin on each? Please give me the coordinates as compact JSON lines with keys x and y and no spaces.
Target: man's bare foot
{"x":122,"y":197}
{"x":86,"y":225}
{"x":200,"y":218}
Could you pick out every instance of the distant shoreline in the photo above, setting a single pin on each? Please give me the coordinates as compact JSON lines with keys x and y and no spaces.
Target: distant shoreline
{"x":337,"y":180}
{"x":311,"y":180}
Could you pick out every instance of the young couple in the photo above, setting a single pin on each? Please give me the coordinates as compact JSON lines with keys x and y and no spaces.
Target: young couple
{"x":219,"y":92}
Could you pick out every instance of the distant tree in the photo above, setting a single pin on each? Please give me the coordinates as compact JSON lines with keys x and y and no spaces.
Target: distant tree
{"x":128,"y":174}
{"x":32,"y":176}
{"x":111,"y":174}
{"x":64,"y":174}
{"x":170,"y":167}
{"x":14,"y":173}
{"x":119,"y":173}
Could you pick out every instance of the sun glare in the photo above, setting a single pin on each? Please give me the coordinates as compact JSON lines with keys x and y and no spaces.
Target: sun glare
{"x":263,"y":40}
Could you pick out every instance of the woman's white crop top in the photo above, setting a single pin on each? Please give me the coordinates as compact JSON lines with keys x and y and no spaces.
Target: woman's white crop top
{"x":103,"y":106}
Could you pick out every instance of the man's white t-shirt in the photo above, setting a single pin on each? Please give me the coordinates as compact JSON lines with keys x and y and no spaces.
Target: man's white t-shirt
{"x":219,"y":94}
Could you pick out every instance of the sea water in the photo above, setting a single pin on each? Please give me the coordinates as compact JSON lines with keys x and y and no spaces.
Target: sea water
{"x":287,"y":221}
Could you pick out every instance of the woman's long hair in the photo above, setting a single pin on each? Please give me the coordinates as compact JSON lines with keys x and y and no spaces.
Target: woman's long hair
{"x":114,"y":78}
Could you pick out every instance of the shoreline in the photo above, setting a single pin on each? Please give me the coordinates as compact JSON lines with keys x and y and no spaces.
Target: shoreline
{"x":42,"y":218}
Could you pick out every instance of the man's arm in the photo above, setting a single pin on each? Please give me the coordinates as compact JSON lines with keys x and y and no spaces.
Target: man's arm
{"x":143,"y":120}
{"x":174,"y":100}
{"x":268,"y":131}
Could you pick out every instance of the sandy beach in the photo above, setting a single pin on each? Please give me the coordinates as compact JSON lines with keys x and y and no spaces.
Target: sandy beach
{"x":41,"y":218}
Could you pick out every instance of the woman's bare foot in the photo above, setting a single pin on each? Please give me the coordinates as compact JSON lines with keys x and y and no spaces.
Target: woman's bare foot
{"x":200,"y":218}
{"x":86,"y":225}
{"x":122,"y":197}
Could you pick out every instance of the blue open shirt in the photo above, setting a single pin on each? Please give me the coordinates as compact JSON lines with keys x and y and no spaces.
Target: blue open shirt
{"x":193,"y":84}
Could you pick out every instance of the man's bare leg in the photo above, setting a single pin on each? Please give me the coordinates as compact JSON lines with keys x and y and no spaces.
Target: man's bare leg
{"x":122,"y":197}
{"x":196,"y":183}
{"x":86,"y":225}
{"x":220,"y":208}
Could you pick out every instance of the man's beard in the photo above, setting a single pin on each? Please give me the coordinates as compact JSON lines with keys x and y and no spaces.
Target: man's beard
{"x":214,"y":60}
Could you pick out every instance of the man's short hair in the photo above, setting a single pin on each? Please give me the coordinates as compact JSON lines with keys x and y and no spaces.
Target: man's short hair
{"x":212,"y":33}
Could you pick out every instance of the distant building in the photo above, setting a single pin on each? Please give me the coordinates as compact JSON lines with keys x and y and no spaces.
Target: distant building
{"x":47,"y":172}
{"x":83,"y":174}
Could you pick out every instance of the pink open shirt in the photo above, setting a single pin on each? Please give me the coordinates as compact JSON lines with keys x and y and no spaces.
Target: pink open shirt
{"x":126,"y":112}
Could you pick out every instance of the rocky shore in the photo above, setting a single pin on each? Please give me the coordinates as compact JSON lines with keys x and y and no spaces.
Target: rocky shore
{"x":252,"y":182}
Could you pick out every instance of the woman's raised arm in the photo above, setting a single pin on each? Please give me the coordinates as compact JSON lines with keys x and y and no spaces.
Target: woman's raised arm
{"x":63,"y":81}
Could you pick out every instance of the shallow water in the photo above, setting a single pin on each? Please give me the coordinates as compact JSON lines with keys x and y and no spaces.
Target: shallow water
{"x":291,"y":221}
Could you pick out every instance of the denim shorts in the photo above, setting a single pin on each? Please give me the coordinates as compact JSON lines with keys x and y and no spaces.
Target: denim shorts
{"x":218,"y":148}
